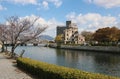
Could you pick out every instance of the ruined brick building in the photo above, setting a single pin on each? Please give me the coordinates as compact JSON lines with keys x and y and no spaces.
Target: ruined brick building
{"x":70,"y":33}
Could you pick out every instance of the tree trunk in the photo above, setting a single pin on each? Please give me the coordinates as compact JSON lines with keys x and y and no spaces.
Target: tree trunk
{"x":3,"y":49}
{"x":6,"y":47}
{"x":12,"y":51}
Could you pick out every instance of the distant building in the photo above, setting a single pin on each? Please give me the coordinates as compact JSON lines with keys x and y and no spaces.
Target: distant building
{"x":70,"y":33}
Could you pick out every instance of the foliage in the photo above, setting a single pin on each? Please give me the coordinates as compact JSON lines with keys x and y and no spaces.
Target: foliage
{"x":88,"y":35}
{"x":49,"y":71}
{"x":118,"y":34}
{"x":59,"y":38}
{"x":107,"y":34}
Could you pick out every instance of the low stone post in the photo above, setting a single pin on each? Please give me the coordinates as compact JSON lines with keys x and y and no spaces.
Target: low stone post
{"x":22,"y":53}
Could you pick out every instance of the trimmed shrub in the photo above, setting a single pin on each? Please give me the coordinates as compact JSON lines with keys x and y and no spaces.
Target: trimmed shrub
{"x":49,"y":71}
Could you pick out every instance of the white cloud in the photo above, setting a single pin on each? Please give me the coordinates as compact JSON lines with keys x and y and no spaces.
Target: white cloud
{"x":106,"y":3}
{"x":45,"y":4}
{"x":41,"y":4}
{"x":119,"y":15}
{"x":24,"y":1}
{"x":51,"y":23}
{"x":2,"y":8}
{"x":57,"y":3}
{"x":92,"y":21}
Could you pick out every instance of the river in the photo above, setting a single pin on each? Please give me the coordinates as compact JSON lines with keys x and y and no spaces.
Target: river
{"x":96,"y":62}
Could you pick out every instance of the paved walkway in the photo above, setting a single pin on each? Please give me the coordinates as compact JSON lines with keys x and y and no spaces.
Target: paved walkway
{"x":8,"y":70}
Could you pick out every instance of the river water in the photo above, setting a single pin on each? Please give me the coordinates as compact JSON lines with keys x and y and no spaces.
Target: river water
{"x":97,"y":62}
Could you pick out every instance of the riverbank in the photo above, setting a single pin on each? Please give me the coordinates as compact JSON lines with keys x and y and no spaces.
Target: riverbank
{"x":109,"y":49}
{"x":96,"y":62}
{"x":8,"y":69}
{"x":45,"y":71}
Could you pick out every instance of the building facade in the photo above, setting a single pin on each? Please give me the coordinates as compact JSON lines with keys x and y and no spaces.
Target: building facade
{"x":70,"y":33}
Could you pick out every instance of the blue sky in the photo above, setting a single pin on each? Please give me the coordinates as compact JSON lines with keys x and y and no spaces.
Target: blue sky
{"x":87,"y":14}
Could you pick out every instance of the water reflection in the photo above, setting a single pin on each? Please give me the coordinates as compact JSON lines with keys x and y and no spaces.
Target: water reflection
{"x":89,"y":61}
{"x":108,"y":64}
{"x":75,"y":59}
{"x":67,"y":58}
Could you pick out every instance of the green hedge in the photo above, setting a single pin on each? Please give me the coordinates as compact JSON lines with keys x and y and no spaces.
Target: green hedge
{"x":50,"y":71}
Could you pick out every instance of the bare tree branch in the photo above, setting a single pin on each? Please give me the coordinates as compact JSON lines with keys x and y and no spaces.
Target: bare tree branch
{"x":23,"y":30}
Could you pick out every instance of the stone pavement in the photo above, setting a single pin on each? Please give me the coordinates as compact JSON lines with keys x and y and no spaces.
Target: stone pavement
{"x":8,"y":70}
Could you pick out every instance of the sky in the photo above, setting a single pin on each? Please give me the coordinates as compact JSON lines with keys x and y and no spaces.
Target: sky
{"x":89,"y":15}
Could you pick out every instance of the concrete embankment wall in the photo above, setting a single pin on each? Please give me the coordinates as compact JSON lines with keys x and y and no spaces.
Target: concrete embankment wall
{"x":112,"y":49}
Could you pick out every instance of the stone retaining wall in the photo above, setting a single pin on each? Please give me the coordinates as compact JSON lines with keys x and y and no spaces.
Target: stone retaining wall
{"x":112,"y":49}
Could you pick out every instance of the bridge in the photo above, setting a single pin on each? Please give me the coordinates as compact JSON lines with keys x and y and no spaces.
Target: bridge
{"x":30,"y":43}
